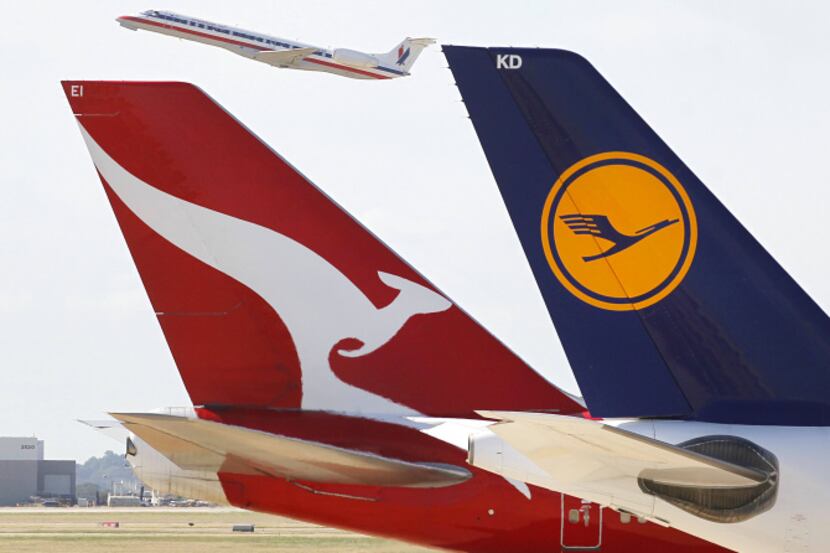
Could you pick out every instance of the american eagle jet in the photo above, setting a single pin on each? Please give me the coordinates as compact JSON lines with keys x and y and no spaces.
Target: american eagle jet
{"x":281,"y":52}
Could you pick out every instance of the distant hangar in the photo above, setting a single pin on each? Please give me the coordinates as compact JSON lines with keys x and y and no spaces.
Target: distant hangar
{"x":24,"y":473}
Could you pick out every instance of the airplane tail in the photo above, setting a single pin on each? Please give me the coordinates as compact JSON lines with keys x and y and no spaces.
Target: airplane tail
{"x":665,"y":304}
{"x":403,"y":55}
{"x":268,"y":293}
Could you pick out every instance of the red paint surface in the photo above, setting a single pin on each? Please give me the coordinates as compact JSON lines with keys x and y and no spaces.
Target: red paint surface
{"x":228,"y":343}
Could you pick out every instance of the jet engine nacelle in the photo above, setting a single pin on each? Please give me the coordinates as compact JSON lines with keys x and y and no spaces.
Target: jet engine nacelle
{"x":354,"y":58}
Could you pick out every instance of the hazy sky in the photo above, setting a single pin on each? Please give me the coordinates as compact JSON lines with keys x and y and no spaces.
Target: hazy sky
{"x":738,"y":89}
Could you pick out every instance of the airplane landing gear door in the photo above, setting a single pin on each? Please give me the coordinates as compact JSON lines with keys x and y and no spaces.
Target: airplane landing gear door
{"x":581,"y":525}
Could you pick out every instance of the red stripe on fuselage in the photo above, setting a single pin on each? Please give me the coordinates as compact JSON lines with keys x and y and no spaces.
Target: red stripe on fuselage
{"x":247,"y":45}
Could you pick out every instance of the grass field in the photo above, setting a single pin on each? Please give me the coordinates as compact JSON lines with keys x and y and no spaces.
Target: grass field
{"x":173,"y":530}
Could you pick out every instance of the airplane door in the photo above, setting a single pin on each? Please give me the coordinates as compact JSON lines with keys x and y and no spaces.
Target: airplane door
{"x":581,"y":525}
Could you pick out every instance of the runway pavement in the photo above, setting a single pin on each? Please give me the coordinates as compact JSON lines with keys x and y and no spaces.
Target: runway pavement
{"x":173,"y":530}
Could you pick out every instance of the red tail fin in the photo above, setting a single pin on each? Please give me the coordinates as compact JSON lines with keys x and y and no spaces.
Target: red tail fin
{"x":268,"y":293}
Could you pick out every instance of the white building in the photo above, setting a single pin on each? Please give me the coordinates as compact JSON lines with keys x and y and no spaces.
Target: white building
{"x":25,"y":473}
{"x":21,"y":449}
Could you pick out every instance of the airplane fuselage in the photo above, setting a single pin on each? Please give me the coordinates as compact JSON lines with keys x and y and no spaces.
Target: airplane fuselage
{"x":248,"y":43}
{"x":793,"y":520}
{"x":796,"y":521}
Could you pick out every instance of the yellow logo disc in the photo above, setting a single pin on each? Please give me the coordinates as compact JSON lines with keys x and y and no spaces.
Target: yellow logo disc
{"x":619,"y":231}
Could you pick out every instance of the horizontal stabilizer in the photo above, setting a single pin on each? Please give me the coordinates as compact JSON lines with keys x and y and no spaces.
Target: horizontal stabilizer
{"x":195,"y":444}
{"x":423,"y":41}
{"x":584,"y":451}
{"x":109,"y":428}
{"x":283,"y":58}
{"x":719,"y":478}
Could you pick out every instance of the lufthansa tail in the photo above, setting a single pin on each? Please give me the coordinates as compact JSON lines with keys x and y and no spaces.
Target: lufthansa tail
{"x":268,"y":293}
{"x":664,"y":303}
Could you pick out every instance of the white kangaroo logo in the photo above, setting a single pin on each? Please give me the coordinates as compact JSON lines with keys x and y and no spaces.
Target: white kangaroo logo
{"x":319,"y":305}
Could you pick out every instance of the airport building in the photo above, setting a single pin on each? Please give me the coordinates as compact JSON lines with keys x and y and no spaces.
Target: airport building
{"x":24,"y":473}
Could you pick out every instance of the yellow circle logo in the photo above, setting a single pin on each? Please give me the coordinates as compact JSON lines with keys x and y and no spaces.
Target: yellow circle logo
{"x":619,"y":231}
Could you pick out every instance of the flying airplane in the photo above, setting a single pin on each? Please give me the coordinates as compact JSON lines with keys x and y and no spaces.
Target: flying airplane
{"x":330,"y":381}
{"x":281,"y":52}
{"x":707,"y":363}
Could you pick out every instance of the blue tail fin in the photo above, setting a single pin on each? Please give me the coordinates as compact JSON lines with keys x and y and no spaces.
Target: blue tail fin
{"x":665,"y":304}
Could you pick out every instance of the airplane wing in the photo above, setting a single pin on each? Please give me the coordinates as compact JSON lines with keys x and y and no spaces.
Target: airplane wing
{"x":283,"y":58}
{"x":609,"y":465}
{"x":195,"y":444}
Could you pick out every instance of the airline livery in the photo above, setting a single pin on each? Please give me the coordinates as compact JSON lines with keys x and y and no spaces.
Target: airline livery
{"x":330,"y":381}
{"x":707,"y":361}
{"x":281,"y":52}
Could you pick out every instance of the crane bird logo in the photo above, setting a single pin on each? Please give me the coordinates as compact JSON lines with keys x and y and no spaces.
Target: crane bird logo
{"x":601,"y":227}
{"x":619,"y":231}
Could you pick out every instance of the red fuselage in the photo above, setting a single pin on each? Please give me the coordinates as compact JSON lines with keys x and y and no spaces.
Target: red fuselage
{"x":484,"y":514}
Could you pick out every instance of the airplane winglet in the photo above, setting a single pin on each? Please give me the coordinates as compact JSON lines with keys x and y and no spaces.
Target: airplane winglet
{"x":110,"y":428}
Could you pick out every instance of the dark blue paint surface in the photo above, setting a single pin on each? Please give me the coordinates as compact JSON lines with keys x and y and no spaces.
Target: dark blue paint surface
{"x":738,"y":341}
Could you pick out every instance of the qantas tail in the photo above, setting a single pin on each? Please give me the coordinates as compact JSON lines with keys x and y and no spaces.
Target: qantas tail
{"x":665,"y":304}
{"x":268,"y":293}
{"x":403,"y":55}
